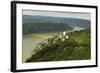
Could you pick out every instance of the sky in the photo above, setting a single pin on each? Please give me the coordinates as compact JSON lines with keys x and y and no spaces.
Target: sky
{"x":80,"y":15}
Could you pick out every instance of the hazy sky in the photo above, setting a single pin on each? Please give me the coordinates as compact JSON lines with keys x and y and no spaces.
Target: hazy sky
{"x":80,"y":15}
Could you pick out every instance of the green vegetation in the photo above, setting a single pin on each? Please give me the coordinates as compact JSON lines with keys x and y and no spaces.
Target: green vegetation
{"x":47,"y":27}
{"x":70,"y":46}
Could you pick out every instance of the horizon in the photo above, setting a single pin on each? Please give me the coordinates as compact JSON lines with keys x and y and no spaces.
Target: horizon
{"x":77,"y":15}
{"x":56,"y":17}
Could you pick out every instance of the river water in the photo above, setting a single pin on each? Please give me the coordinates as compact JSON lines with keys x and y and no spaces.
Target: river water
{"x":29,"y":42}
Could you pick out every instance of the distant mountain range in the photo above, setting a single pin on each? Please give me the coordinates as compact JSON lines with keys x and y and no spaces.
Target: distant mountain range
{"x":70,"y":21}
{"x":37,"y":24}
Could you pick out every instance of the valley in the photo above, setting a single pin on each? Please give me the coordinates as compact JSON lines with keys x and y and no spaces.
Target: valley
{"x":40,"y":32}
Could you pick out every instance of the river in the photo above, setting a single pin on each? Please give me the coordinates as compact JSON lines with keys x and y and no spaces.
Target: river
{"x":30,"y":41}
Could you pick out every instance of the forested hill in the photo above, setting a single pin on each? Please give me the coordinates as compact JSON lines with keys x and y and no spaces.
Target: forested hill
{"x":42,"y":24}
{"x":44,"y":27}
{"x":76,"y":47}
{"x":71,"y":21}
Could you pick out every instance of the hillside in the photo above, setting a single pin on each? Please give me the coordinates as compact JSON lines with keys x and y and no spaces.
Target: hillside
{"x":45,"y":27}
{"x":72,"y":46}
{"x":71,"y":21}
